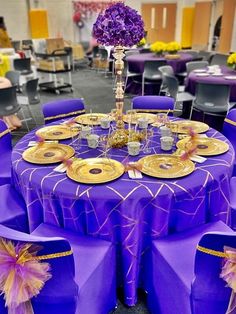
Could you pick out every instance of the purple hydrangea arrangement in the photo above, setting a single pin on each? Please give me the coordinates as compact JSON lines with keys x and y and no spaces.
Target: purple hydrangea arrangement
{"x":119,"y":25}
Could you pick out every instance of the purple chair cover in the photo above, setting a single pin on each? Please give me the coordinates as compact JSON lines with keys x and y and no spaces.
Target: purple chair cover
{"x":94,"y":269}
{"x":233,"y":202}
{"x":153,"y":104}
{"x":181,"y":283}
{"x":229,"y":130}
{"x":65,"y":108}
{"x":13,"y":212}
{"x":80,"y":283}
{"x":5,"y":153}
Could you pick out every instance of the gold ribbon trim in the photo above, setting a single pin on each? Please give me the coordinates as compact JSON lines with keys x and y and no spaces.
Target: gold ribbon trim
{"x":212,"y":252}
{"x":65,"y":115}
{"x":51,"y":256}
{"x":153,"y":110}
{"x":230,"y":121}
{"x":5,"y":132}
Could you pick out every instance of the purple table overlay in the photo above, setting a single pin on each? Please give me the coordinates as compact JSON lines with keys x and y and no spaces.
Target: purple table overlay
{"x":193,"y":78}
{"x":128,"y":212}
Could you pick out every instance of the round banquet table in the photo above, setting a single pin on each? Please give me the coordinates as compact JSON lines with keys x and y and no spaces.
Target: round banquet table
{"x":136,"y":64}
{"x":128,"y":212}
{"x":193,"y":78}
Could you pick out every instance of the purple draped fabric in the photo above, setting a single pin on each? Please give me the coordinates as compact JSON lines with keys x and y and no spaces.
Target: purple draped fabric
{"x":5,"y":152}
{"x":153,"y":103}
{"x":229,"y":131}
{"x":127,"y":212}
{"x":191,"y":80}
{"x":182,"y":282}
{"x":136,"y":64}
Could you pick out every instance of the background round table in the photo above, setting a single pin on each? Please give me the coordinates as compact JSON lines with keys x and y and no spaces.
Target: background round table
{"x":193,"y":78}
{"x":136,"y":64}
{"x":128,"y":212}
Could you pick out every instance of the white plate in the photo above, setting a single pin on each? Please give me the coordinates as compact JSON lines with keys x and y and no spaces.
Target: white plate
{"x":217,"y":74}
{"x":233,"y":77}
{"x":199,"y":71}
{"x":202,"y":74}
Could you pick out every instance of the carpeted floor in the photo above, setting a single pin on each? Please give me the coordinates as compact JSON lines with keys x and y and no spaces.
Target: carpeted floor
{"x":97,"y":91}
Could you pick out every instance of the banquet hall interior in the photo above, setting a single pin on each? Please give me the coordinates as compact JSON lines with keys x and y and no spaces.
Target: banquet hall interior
{"x":117,"y":142}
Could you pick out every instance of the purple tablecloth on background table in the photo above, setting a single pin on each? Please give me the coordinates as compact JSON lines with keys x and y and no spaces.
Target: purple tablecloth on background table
{"x":136,"y":64}
{"x":127,"y":212}
{"x":193,"y":78}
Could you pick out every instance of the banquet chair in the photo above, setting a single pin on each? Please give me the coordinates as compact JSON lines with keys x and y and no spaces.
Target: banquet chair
{"x":229,"y":130}
{"x":182,"y":99}
{"x":14,"y":78}
{"x":219,"y":59}
{"x":104,"y":61}
{"x":128,"y":74}
{"x":23,"y":66}
{"x":211,"y":103}
{"x":153,"y":104}
{"x":5,"y":153}
{"x":80,"y":282}
{"x":13,"y":212}
{"x":194,"y":65}
{"x":168,"y":70}
{"x":206,"y":55}
{"x":65,"y":108}
{"x":151,"y":73}
{"x":185,"y":271}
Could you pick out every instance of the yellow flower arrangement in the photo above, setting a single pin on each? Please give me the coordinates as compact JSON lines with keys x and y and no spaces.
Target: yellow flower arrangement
{"x":142,"y":42}
{"x":231,"y":61}
{"x":173,"y":47}
{"x":158,"y":47}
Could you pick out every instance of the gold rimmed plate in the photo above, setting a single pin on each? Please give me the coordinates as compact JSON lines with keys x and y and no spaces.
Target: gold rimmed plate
{"x":57,"y":132}
{"x":183,"y":126}
{"x":90,"y":118}
{"x":133,"y":118}
{"x":95,"y":170}
{"x":48,"y":153}
{"x":166,"y":166}
{"x":205,"y":146}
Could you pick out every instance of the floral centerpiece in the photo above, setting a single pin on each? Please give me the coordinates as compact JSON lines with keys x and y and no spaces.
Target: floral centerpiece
{"x":173,"y":47}
{"x":142,"y":42}
{"x":231,"y":61}
{"x":158,"y":47}
{"x":119,"y":26}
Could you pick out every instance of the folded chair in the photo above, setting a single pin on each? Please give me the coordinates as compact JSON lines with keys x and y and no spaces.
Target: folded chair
{"x":186,"y":267}
{"x":153,"y":104}
{"x":65,"y":108}
{"x":5,"y":153}
{"x":13,"y":213}
{"x":83,"y":271}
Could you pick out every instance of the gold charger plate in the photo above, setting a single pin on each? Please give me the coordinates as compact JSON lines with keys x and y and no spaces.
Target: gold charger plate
{"x":166,"y":166}
{"x":205,"y":146}
{"x":134,"y":117}
{"x":90,"y":118}
{"x":48,"y":153}
{"x":95,"y":170}
{"x":57,"y":132}
{"x":182,"y":126}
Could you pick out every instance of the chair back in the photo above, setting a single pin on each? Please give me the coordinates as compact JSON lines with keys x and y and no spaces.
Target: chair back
{"x":131,"y":52}
{"x":193,"y":53}
{"x":153,"y":104}
{"x":205,"y":55}
{"x":8,"y":101}
{"x":151,"y":67}
{"x":103,"y":54}
{"x":13,"y":77}
{"x":229,"y":127}
{"x":166,"y":69}
{"x":193,"y":65}
{"x":5,"y":138}
{"x":212,"y":98}
{"x":62,"y":269}
{"x":219,"y":58}
{"x":209,"y":291}
{"x":30,"y":89}
{"x":16,"y":44}
{"x":23,"y":65}
{"x":95,"y":52}
{"x":65,"y":108}
{"x":172,"y":85}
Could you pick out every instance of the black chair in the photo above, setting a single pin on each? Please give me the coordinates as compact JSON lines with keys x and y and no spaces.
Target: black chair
{"x":23,"y":66}
{"x":211,"y":103}
{"x":151,"y":73}
{"x":16,"y":44}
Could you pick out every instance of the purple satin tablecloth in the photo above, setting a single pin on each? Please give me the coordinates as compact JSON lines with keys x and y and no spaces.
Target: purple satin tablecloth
{"x":128,"y":212}
{"x":193,"y":78}
{"x":136,"y":64}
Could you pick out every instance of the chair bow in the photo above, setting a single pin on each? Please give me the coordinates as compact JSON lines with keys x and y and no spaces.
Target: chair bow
{"x":22,"y":276}
{"x":228,"y":274}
